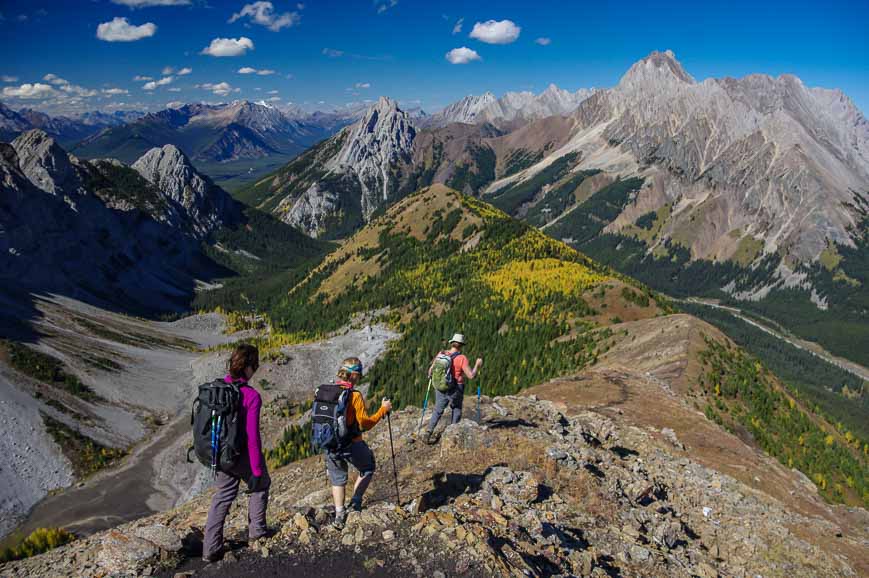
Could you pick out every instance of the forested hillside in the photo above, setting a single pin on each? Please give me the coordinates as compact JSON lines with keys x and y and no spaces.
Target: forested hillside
{"x":440,"y":262}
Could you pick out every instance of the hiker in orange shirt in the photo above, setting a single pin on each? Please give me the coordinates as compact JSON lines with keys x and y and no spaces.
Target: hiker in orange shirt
{"x":357,"y":452}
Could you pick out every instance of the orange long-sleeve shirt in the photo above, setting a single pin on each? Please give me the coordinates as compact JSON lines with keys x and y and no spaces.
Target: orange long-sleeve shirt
{"x":358,"y":414}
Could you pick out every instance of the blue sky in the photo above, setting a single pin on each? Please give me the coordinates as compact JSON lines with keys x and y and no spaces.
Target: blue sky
{"x":330,"y":53}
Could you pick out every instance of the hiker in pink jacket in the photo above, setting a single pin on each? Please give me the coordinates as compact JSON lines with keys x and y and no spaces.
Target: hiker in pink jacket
{"x":242,"y":366}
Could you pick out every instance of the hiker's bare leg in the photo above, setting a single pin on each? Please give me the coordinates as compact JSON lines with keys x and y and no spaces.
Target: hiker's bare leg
{"x":338,"y":496}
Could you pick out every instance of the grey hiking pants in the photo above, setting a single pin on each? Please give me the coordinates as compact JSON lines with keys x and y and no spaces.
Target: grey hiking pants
{"x":227,"y":490}
{"x":454,"y":399}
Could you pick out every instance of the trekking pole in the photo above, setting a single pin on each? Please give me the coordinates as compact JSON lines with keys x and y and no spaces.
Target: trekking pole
{"x":424,"y":406}
{"x":394,"y":471}
{"x":478,"y":402}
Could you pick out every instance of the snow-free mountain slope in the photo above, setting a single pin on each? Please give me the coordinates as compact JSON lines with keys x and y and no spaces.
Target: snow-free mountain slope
{"x":335,"y":187}
{"x":512,"y":108}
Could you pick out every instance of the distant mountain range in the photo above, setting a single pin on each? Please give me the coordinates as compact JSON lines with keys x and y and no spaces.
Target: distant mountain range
{"x":210,"y":133}
{"x":67,"y":130}
{"x":513,"y":107}
{"x":239,"y":140}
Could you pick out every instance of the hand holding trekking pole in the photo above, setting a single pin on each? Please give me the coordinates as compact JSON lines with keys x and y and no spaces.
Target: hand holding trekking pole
{"x":386,"y":403}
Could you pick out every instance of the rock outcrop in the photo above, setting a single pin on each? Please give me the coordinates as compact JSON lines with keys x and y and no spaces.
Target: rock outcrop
{"x":531,"y":491}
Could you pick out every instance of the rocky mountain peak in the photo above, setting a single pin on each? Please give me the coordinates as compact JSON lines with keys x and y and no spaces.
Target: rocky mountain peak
{"x":46,"y":164}
{"x":169,"y":170}
{"x":384,"y":135}
{"x":656,"y":71}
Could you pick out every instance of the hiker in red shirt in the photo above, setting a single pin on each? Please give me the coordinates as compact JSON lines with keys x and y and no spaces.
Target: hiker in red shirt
{"x":461,"y":372}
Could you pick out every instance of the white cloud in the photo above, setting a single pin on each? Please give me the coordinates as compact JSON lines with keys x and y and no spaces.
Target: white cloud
{"x":185,"y":71}
{"x":27,"y":90}
{"x":462,"y":55}
{"x":273,"y":99}
{"x":333,"y":52}
{"x":174,"y":104}
{"x":155,"y":83}
{"x":273,"y":92}
{"x":263,"y":13}
{"x":120,"y":30}
{"x":362,"y":85}
{"x":54,"y":79}
{"x":7,"y":78}
{"x":167,"y":70}
{"x":496,"y":32}
{"x":543,"y":41}
{"x":384,"y":5}
{"x":249,"y":70}
{"x":68,"y":87}
{"x":220,"y":88}
{"x":115,"y":91}
{"x":228,"y":46}
{"x":140,"y":78}
{"x":146,"y":3}
{"x":174,"y":89}
{"x":458,"y":26}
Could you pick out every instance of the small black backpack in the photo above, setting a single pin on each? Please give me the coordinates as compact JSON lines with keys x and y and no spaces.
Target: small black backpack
{"x":329,"y":418}
{"x":218,"y":438}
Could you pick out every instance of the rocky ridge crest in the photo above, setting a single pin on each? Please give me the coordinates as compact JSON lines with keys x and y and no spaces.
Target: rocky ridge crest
{"x":531,"y":491}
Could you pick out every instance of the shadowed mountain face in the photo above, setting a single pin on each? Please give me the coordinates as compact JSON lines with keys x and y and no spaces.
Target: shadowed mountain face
{"x":129,"y":238}
{"x":101,"y":231}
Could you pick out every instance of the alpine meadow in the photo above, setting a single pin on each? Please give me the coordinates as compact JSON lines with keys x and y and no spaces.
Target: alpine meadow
{"x":408,"y":289}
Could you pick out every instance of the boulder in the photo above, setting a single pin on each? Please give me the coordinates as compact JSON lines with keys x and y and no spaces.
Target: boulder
{"x":465,"y":435}
{"x":161,"y":536}
{"x":124,"y":554}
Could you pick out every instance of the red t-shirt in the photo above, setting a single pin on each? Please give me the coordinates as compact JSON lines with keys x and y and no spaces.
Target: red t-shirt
{"x":460,"y":362}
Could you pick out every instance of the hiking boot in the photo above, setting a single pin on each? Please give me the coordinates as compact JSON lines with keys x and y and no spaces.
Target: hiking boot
{"x":430,"y":438}
{"x":340,"y":520}
{"x":356,"y":505}
{"x":212,"y":558}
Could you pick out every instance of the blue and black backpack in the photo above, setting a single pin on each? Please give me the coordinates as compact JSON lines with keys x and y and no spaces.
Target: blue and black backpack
{"x":329,"y":418}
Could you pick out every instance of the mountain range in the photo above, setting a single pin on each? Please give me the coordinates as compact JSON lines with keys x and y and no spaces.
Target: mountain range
{"x":67,"y":130}
{"x":511,"y":109}
{"x":734,"y":188}
{"x":118,"y":236}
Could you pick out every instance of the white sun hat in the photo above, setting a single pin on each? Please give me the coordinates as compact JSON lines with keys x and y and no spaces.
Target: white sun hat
{"x":458,"y":338}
